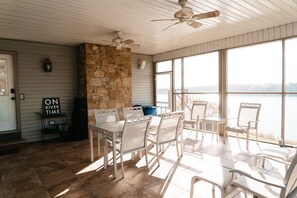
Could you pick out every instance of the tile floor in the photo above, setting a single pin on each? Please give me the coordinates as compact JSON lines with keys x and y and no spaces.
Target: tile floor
{"x":63,"y":169}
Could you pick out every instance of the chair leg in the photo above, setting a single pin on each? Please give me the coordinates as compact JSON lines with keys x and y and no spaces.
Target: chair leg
{"x":247,"y":141}
{"x":196,"y":130}
{"x":157,"y":153}
{"x":257,"y":136}
{"x":245,"y":194}
{"x":122,"y":165}
{"x":178,"y":156}
{"x":146,"y":160}
{"x":193,"y":181}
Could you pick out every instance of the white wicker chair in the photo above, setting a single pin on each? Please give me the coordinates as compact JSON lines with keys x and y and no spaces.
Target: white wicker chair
{"x":198,"y":112}
{"x":247,"y":120}
{"x":134,"y":138}
{"x":168,"y":131}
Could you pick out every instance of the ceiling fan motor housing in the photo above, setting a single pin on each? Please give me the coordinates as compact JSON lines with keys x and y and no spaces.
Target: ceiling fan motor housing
{"x":182,"y":2}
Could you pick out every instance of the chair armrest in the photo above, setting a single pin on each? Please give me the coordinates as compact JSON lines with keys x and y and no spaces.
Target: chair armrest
{"x":250,"y":122}
{"x":244,"y":170}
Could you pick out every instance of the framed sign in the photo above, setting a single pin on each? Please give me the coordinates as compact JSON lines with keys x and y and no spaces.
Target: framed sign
{"x":51,"y":106}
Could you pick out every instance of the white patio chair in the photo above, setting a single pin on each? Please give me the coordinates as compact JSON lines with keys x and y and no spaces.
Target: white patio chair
{"x":283,"y":155}
{"x":106,"y":115}
{"x":263,"y":185}
{"x":134,"y":138}
{"x":216,"y":176}
{"x":131,"y":112}
{"x":168,"y":131}
{"x":247,"y":120}
{"x":198,"y":112}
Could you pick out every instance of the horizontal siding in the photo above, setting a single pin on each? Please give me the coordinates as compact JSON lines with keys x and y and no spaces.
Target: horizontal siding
{"x":264,"y":35}
{"x":142,"y":83}
{"x":37,"y":84}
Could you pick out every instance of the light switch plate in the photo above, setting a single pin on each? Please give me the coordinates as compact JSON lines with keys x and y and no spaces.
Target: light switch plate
{"x":22,"y":96}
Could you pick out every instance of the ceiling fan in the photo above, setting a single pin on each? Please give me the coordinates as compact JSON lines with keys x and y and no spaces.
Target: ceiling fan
{"x":120,"y":43}
{"x":186,"y":15}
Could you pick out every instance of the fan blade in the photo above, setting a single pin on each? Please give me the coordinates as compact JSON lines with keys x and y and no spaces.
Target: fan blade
{"x":194,"y":24}
{"x":128,"y":41}
{"x":206,"y":15}
{"x":135,"y":45}
{"x":106,"y":41}
{"x":164,"y":20}
{"x":172,"y":25}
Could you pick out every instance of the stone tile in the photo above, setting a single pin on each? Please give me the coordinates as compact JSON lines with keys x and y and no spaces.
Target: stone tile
{"x":117,"y":188}
{"x":53,"y":178}
{"x":63,"y":169}
{"x":20,"y":181}
{"x":32,"y":194}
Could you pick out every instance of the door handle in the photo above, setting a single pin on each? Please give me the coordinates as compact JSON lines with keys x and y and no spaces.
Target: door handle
{"x":12,"y":98}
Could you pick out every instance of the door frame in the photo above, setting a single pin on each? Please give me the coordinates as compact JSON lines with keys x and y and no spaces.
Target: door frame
{"x":14,"y":134}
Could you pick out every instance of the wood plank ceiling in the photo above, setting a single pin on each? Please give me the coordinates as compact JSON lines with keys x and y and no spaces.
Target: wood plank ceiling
{"x":71,"y":23}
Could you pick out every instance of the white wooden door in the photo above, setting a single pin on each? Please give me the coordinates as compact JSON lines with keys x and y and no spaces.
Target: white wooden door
{"x":8,"y":120}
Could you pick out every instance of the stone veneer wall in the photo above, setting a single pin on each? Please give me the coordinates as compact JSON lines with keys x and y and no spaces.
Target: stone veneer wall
{"x":105,"y":77}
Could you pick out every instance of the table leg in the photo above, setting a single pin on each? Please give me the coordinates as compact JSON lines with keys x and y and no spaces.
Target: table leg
{"x":181,"y":140}
{"x":204,"y":129}
{"x":218,"y":131}
{"x":114,"y":154}
{"x":91,"y":145}
{"x":224,"y":133}
{"x":98,"y":144}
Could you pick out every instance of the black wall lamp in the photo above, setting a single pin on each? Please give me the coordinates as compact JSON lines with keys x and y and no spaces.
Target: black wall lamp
{"x":47,"y":65}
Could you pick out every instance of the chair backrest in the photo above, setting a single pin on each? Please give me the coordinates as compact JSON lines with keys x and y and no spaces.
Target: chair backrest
{"x":132,"y":112}
{"x":134,"y":136}
{"x":169,"y":127}
{"x":106,"y":115}
{"x":198,"y":109}
{"x":248,"y":112}
{"x":290,"y":180}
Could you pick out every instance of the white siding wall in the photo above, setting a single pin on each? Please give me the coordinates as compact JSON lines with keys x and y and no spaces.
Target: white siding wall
{"x":142,"y":80}
{"x":269,"y":34}
{"x":36,"y":84}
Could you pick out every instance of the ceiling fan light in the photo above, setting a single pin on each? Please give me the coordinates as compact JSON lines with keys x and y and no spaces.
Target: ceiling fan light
{"x":118,"y":47}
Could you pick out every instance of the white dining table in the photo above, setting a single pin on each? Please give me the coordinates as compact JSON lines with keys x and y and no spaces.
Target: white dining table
{"x":112,"y":130}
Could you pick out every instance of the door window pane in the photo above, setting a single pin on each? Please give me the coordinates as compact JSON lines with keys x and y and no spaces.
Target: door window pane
{"x":201,"y":73}
{"x":3,"y":78}
{"x":256,"y":68}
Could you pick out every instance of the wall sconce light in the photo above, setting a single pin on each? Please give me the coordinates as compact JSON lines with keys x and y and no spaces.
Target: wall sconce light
{"x":141,"y":64}
{"x":47,"y":65}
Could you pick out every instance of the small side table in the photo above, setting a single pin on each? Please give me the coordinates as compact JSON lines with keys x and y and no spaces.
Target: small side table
{"x":215,"y":121}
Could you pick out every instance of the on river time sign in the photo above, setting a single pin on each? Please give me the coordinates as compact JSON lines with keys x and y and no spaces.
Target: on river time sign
{"x":51,"y":106}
